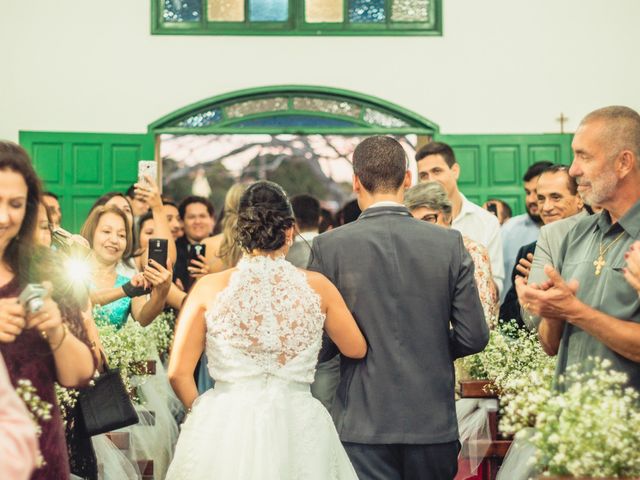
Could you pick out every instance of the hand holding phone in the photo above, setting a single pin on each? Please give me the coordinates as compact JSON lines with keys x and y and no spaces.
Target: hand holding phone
{"x":147,"y":168}
{"x":158,"y":248}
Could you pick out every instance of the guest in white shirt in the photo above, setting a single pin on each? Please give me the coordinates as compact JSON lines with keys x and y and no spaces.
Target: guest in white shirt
{"x":436,"y":161}
{"x":522,"y":229}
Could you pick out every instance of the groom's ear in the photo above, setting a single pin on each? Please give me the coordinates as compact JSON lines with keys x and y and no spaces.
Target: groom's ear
{"x":357,"y":186}
{"x":407,"y":180}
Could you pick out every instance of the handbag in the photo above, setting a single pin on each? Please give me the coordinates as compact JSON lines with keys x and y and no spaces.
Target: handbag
{"x":105,"y":405}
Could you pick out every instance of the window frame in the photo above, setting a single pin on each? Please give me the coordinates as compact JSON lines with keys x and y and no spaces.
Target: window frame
{"x":296,"y":24}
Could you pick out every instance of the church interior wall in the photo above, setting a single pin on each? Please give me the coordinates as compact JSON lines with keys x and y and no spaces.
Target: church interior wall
{"x":502,"y":66}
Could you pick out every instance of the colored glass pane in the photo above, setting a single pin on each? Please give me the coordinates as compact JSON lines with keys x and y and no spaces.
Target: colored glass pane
{"x":366,"y":11}
{"x":329,"y":106}
{"x":201,"y":119}
{"x":176,"y":11}
{"x":410,"y":10}
{"x":225,"y":10}
{"x":268,"y":10}
{"x":327,"y":11}
{"x":376,"y":117}
{"x":251,"y":107}
{"x":295,"y":121}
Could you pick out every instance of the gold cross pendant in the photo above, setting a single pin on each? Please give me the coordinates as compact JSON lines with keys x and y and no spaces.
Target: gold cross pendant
{"x":599,"y":263}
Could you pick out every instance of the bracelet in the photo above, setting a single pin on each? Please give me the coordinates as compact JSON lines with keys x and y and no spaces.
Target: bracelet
{"x":65,"y":329}
{"x":131,"y":291}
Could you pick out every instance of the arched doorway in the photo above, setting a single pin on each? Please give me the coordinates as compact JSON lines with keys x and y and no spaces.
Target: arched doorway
{"x":200,"y":144}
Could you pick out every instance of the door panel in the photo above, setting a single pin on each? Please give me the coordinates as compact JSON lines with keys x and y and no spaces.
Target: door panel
{"x":80,"y":167}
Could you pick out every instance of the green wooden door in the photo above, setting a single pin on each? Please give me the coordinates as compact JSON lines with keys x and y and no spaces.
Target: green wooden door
{"x":492,"y":166}
{"x":79,"y":167}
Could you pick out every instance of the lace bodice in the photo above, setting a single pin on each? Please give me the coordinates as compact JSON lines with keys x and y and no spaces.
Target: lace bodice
{"x":267,"y":321}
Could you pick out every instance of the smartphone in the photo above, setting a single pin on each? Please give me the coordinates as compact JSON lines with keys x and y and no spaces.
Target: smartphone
{"x":197,"y":249}
{"x":147,"y":167}
{"x":158,"y":250}
{"x":492,"y":207}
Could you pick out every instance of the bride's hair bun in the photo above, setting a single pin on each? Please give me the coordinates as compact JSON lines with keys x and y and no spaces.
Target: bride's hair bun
{"x":263,"y":216}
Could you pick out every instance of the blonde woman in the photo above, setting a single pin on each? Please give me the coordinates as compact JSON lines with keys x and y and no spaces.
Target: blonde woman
{"x":223,"y":250}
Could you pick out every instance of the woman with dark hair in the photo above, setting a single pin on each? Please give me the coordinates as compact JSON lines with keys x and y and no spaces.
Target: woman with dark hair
{"x":262,"y":323}
{"x":37,"y":341}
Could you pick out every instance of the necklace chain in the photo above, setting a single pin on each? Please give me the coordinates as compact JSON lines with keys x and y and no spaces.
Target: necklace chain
{"x":600,"y":261}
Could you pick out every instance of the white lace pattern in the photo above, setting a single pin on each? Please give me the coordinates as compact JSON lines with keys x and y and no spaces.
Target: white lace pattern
{"x":267,"y":321}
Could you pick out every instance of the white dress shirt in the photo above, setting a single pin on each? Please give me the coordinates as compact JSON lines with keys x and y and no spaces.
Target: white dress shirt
{"x":483,"y":227}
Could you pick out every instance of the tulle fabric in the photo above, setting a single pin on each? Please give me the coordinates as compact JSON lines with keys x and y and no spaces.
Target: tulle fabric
{"x":154,"y":438}
{"x":259,"y":429}
{"x":519,"y":462}
{"x":113,"y":463}
{"x":474,"y":431}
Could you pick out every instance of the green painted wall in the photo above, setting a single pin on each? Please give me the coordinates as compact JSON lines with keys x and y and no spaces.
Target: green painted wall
{"x":82,"y":166}
{"x":493,"y":165}
{"x":79,"y":167}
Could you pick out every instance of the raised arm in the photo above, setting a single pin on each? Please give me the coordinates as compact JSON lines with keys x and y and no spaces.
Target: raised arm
{"x":339,"y":324}
{"x":150,"y":193}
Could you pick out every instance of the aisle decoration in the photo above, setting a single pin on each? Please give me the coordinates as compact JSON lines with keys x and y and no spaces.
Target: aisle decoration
{"x":39,"y":410}
{"x":592,"y":428}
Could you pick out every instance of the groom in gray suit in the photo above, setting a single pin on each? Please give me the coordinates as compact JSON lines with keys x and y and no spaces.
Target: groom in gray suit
{"x":410,"y":287}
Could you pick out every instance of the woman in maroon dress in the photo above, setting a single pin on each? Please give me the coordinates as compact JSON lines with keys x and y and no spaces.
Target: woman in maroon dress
{"x":37,"y":346}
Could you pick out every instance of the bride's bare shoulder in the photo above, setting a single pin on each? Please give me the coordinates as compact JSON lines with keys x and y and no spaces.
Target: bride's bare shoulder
{"x":212,"y":283}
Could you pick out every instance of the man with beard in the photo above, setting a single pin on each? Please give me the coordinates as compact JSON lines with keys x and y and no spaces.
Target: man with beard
{"x":587,"y":307}
{"x":522,"y":229}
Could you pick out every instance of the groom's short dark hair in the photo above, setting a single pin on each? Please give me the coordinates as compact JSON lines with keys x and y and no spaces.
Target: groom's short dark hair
{"x":380,"y":163}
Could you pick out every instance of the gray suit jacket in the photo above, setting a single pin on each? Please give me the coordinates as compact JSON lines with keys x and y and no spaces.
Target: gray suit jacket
{"x":299,"y":254}
{"x":410,"y":287}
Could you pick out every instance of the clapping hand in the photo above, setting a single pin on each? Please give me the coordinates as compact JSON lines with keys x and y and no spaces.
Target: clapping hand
{"x":524,"y":266}
{"x":12,"y":319}
{"x":148,"y":192}
{"x":632,"y":271}
{"x":198,"y":267}
{"x":552,"y":299}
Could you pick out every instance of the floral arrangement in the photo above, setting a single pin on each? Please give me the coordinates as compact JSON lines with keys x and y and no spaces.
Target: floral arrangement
{"x":592,"y":427}
{"x":67,"y":399}
{"x":127,"y":348}
{"x":511,"y":353}
{"x":161,"y":331}
{"x":521,"y":374}
{"x":523,"y":397}
{"x":39,"y":410}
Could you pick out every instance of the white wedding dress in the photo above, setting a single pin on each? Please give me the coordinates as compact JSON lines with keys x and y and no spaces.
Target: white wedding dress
{"x":260,"y":421}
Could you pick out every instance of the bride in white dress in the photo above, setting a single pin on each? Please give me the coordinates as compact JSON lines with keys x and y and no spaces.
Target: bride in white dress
{"x":262,"y":324}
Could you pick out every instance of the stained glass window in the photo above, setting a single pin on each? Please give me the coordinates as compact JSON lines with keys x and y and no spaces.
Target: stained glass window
{"x":292,"y":109}
{"x":297,"y":17}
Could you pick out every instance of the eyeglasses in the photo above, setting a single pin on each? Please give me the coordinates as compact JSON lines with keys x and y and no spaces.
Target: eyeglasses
{"x":431,"y":217}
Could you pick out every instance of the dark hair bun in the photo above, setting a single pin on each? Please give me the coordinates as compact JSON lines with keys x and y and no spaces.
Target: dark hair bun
{"x":263,"y":216}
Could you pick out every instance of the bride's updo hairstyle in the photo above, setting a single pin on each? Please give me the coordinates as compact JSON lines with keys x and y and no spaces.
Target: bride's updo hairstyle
{"x":264,"y":214}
